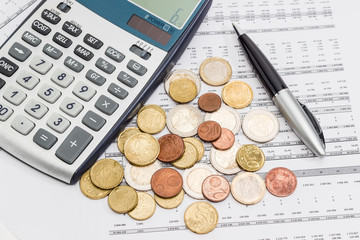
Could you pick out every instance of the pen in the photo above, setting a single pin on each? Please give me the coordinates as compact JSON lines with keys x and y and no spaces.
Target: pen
{"x":299,"y":117}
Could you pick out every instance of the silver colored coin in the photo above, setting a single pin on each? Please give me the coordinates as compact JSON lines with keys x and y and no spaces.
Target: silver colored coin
{"x":260,"y":125}
{"x":248,"y":188}
{"x":139,"y":177}
{"x":179,"y":74}
{"x":184,"y":120}
{"x":225,"y":161}
{"x":215,"y":71}
{"x":227,"y":117}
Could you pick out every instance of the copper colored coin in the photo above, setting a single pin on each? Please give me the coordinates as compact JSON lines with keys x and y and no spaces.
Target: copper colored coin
{"x":171,"y":147}
{"x":209,"y":102}
{"x":166,"y":182}
{"x":225,"y":141}
{"x":280,"y":181}
{"x":215,"y":188}
{"x":209,"y":131}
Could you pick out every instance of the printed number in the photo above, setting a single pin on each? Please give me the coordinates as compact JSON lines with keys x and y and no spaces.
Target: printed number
{"x":37,"y":107}
{"x":48,"y":92}
{"x":42,"y":62}
{"x":3,"y":110}
{"x":70,"y":106}
{"x":58,"y":122}
{"x":61,"y":76}
{"x":26,"y":79}
{"x":14,"y":94}
{"x":84,"y":89}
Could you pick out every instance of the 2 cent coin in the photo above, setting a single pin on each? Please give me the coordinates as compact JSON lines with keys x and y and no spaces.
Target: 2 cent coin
{"x":280,"y":181}
{"x":166,"y":182}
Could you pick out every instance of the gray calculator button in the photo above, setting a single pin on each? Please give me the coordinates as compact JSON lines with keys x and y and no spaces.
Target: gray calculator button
{"x":106,"y":105}
{"x":7,"y":67}
{"x":31,"y":39}
{"x":62,"y":78}
{"x":22,"y":125}
{"x":44,"y":139}
{"x":49,"y":93}
{"x":140,"y":52}
{"x":105,"y":66}
{"x":84,"y":53}
{"x":19,"y":52}
{"x":58,"y":123}
{"x":41,"y":27}
{"x":5,"y":112}
{"x":127,"y":79}
{"x":93,"y":121}
{"x":71,"y":29}
{"x":52,"y":51}
{"x":136,"y":68}
{"x":71,"y":107}
{"x":73,"y":145}
{"x":117,"y":91}
{"x":95,"y":77}
{"x":62,"y":40}
{"x":50,"y":16}
{"x":114,"y":54}
{"x":36,"y":109}
{"x":40,"y":65}
{"x":27,"y":80}
{"x":93,"y":41}
{"x":73,"y":64}
{"x":84,"y":91}
{"x":14,"y":95}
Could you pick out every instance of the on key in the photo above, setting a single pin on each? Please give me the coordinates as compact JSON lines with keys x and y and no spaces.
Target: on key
{"x":7,"y":67}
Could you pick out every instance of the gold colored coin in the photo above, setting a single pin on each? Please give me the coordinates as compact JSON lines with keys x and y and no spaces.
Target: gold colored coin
{"x":89,"y":189}
{"x":170,"y":203}
{"x":141,"y":149}
{"x":183,"y":90}
{"x":199,"y":146}
{"x":250,"y":158}
{"x":123,"y":199}
{"x":201,"y":217}
{"x":145,"y":208}
{"x":215,"y":71}
{"x":151,"y":119}
{"x":124,"y":135}
{"x":188,"y":159}
{"x":106,"y":173}
{"x":237,"y":94}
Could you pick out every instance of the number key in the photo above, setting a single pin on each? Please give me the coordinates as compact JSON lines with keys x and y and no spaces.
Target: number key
{"x":49,"y":93}
{"x":84,"y":91}
{"x":62,"y":78}
{"x":36,"y":109}
{"x":71,"y":107}
{"x":58,"y":123}
{"x":27,"y":80}
{"x":40,"y":65}
{"x":14,"y":95}
{"x":5,"y":112}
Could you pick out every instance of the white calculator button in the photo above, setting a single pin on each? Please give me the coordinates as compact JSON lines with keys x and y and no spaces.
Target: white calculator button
{"x":5,"y":112}
{"x":58,"y":123}
{"x":22,"y":125}
{"x":62,"y":78}
{"x":49,"y":93}
{"x":27,"y":80}
{"x":40,"y":65}
{"x":36,"y":109}
{"x":71,"y":107}
{"x":84,"y":91}
{"x":14,"y":95}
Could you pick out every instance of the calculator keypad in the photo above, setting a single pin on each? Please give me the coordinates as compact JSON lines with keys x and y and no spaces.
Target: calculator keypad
{"x":84,"y":91}
{"x":40,"y":65}
{"x":71,"y":107}
{"x":14,"y":95}
{"x":5,"y":111}
{"x":19,"y":52}
{"x":62,"y":78}
{"x":49,"y":93}
{"x":36,"y":109}
{"x":58,"y":123}
{"x":27,"y":80}
{"x":22,"y":125}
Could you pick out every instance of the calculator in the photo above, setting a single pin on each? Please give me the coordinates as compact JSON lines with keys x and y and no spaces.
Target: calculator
{"x":76,"y":72}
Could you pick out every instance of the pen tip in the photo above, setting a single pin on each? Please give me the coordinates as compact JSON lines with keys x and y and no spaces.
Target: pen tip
{"x":237,"y":29}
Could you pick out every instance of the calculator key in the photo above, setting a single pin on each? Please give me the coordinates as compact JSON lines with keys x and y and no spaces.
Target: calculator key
{"x":114,"y":54}
{"x":2,"y":83}
{"x":105,"y":66}
{"x":62,"y":40}
{"x":84,"y":91}
{"x":71,"y":29}
{"x":22,"y":125}
{"x":52,"y":52}
{"x":117,"y":91}
{"x":127,"y":79}
{"x":49,"y":93}
{"x":71,"y":107}
{"x":93,"y":121}
{"x":63,"y":7}
{"x":14,"y":95}
{"x":19,"y":52}
{"x":140,"y":52}
{"x":93,"y":41}
{"x":31,"y":39}
{"x":74,"y":65}
{"x":36,"y":109}
{"x":40,"y":65}
{"x":44,"y":139}
{"x":83,"y":53}
{"x":136,"y":68}
{"x":58,"y":123}
{"x":95,"y":78}
{"x":62,"y":78}
{"x":41,"y":27}
{"x":7,"y":67}
{"x":5,"y":112}
{"x":106,"y":105}
{"x":27,"y":80}
{"x":50,"y":17}
{"x":73,"y":145}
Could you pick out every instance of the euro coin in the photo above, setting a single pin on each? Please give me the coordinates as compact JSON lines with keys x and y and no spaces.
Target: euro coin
{"x":209,"y":102}
{"x":139,"y":177}
{"x":151,"y":119}
{"x":145,"y":208}
{"x":170,"y":203}
{"x":248,"y":188}
{"x":124,"y":135}
{"x":250,"y":158}
{"x":237,"y":94}
{"x":225,"y":141}
{"x":225,"y":160}
{"x":183,"y":90}
{"x":201,"y":217}
{"x":188,"y":159}
{"x":172,"y":147}
{"x":181,"y":74}
{"x":166,"y":182}
{"x":215,"y":71}
{"x":227,"y":118}
{"x":215,"y":188}
{"x":123,"y":199}
{"x":209,"y":131}
{"x":106,"y":173}
{"x":89,"y":189}
{"x":141,"y":149}
{"x":199,"y":146}
{"x":280,"y":182}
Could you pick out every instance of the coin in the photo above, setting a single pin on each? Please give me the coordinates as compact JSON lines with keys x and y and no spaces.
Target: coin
{"x":89,"y":189}
{"x":139,"y":177}
{"x":145,"y":208}
{"x":199,"y":146}
{"x":237,"y":94}
{"x":260,"y":125}
{"x":248,"y":188}
{"x":280,"y":181}
{"x":209,"y":131}
{"x":188,"y":159}
{"x":166,"y":182}
{"x":225,"y":160}
{"x":209,"y":102}
{"x":183,"y":90}
{"x":215,"y":71}
{"x":124,"y":135}
{"x":215,"y":188}
{"x":170,"y":203}
{"x":225,"y":141}
{"x":151,"y":119}
{"x":123,"y":199}
{"x":201,"y":217}
{"x":172,"y":147}
{"x":194,"y":177}
{"x":184,"y":120}
{"x":250,"y":158}
{"x":106,"y":173}
{"x":181,"y":74}
{"x":141,"y":149}
{"x":227,"y":118}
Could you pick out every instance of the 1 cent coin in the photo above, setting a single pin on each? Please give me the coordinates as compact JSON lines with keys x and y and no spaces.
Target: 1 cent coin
{"x":225,"y":141}
{"x":209,"y":102}
{"x":172,"y":147}
{"x":209,"y":131}
{"x":280,"y":181}
{"x":215,"y":188}
{"x":166,"y":182}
